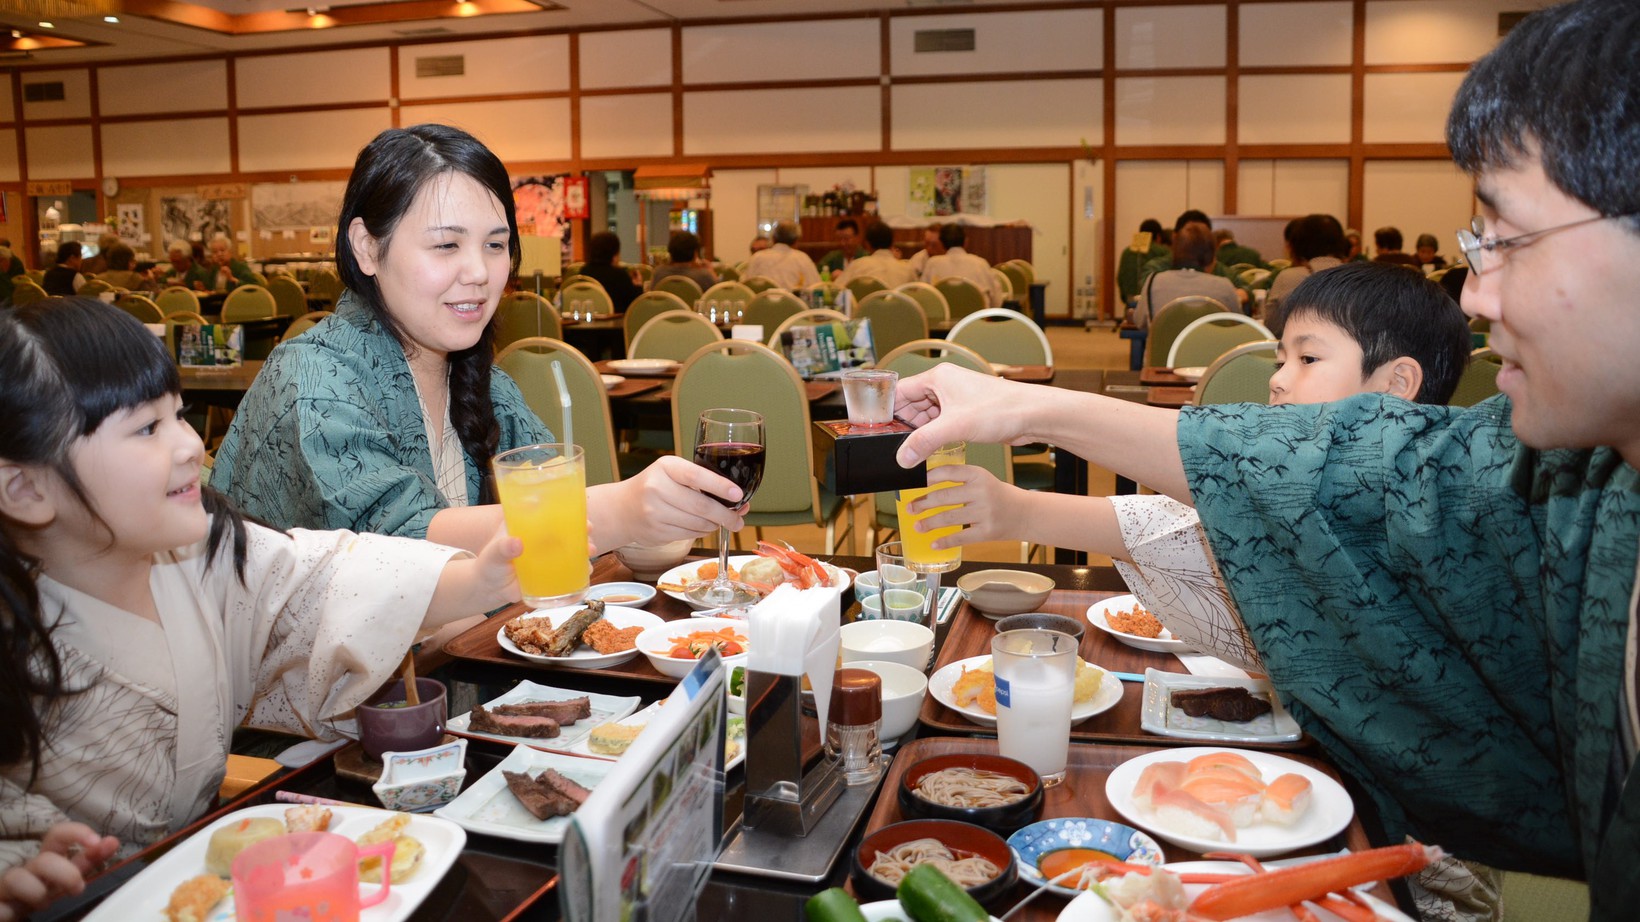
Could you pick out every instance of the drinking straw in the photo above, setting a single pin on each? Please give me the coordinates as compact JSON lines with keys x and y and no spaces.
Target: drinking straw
{"x":563,"y":401}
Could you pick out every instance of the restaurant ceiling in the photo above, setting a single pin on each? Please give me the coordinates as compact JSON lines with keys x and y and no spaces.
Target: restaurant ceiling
{"x":167,"y":28}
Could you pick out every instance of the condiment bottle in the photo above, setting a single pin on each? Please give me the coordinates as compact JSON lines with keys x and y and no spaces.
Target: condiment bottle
{"x":854,"y":725}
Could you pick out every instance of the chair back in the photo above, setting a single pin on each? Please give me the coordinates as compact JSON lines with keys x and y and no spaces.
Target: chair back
{"x":751,"y":376}
{"x":529,"y":363}
{"x":1253,"y":275}
{"x":771,"y":308}
{"x":1171,"y":320}
{"x":1241,"y":375}
{"x":185,"y":318}
{"x":731,"y":291}
{"x":863,"y":285}
{"x":728,"y":273}
{"x":1019,"y":280}
{"x":683,"y":286}
{"x":304,"y":323}
{"x":1001,"y":335}
{"x":929,"y":299}
{"x":810,"y":317}
{"x":1206,"y":338}
{"x":94,"y":287}
{"x":1276,"y":265}
{"x":326,"y":284}
{"x":586,"y":289}
{"x":827,"y":291}
{"x":895,"y":319}
{"x":647,"y":307}
{"x":962,"y":296}
{"x":570,"y":270}
{"x":143,"y":309}
{"x":525,"y":314}
{"x":920,"y":355}
{"x":177,"y":298}
{"x":1005,"y":285}
{"x":644,"y":270}
{"x":673,"y":335}
{"x":760,"y":283}
{"x":25,"y":290}
{"x":289,"y":298}
{"x":248,"y":302}
{"x":1026,"y":269}
{"x":1478,"y":381}
{"x":259,"y":278}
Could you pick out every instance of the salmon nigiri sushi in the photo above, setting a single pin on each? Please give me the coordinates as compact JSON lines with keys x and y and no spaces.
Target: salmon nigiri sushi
{"x":1187,"y":815}
{"x":1232,"y":792}
{"x":1233,"y":761}
{"x":1286,"y":799}
{"x":1157,"y":775}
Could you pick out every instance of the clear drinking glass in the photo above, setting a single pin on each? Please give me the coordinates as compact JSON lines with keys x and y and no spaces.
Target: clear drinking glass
{"x":729,"y":442}
{"x":920,"y":553}
{"x":1036,"y":683}
{"x":869,"y":396}
{"x":543,"y":493}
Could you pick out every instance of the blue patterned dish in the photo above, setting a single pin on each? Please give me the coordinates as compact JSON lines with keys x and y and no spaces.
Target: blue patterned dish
{"x":1124,"y":843}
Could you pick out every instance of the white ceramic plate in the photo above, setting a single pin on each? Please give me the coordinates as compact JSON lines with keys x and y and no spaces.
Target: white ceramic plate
{"x":684,"y":573}
{"x":1330,"y":807}
{"x":735,"y":733}
{"x":1090,"y":907}
{"x":642,"y":366}
{"x":655,"y":642}
{"x":1191,"y":372}
{"x":487,"y":806}
{"x":630,"y":595}
{"x":605,"y":708}
{"x":610,"y":381}
{"x":583,"y":656}
{"x":889,"y":911}
{"x":940,"y":683}
{"x":1163,"y":644}
{"x":146,"y":895}
{"x":1157,"y":715}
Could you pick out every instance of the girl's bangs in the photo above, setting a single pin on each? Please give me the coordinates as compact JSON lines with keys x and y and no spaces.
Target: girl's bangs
{"x":107,"y":358}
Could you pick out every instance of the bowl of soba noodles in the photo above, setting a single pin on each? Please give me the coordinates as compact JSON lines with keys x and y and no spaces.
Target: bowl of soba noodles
{"x":975,"y":859}
{"x":988,"y":790}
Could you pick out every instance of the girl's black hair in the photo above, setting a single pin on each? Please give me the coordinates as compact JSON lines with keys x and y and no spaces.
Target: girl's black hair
{"x":386,"y":177}
{"x":68,"y":364}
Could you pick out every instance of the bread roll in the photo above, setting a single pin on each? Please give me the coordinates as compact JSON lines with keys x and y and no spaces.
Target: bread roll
{"x":228,"y":841}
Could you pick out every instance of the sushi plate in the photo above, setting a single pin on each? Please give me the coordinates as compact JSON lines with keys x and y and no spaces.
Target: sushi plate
{"x":734,"y":740}
{"x":488,"y":805}
{"x":942,"y":681}
{"x":146,"y":895}
{"x":685,"y":573}
{"x":1162,"y":644}
{"x":1330,"y":807}
{"x":1091,"y":907}
{"x":1158,"y":715}
{"x":605,"y":708}
{"x":583,"y":656}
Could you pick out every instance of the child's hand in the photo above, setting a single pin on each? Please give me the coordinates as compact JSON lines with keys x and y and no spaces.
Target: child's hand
{"x":495,"y":575}
{"x":990,"y":510}
{"x":68,"y":853}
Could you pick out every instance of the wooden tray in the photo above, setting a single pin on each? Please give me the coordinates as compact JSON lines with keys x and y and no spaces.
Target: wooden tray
{"x":1037,"y":373}
{"x":819,"y":390}
{"x":1173,"y":397}
{"x":1162,"y":377}
{"x":1082,"y":794}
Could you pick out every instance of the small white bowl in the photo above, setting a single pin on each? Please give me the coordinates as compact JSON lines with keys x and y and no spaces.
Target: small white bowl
{"x":655,"y":641}
{"x":633,"y":595}
{"x":905,"y":642}
{"x":423,"y":779}
{"x":649,"y":561}
{"x":903,"y":691}
{"x":999,"y":593}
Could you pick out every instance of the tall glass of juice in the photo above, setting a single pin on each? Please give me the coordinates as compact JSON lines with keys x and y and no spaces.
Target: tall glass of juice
{"x":543,"y":491}
{"x":920,"y":554}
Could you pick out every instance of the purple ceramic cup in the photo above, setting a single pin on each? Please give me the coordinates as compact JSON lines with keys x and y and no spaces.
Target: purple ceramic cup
{"x":404,"y":728}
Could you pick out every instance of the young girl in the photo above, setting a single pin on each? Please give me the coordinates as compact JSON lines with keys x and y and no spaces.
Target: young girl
{"x":142,"y":619}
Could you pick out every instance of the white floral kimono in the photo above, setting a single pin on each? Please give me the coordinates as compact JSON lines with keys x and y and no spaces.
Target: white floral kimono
{"x":323,"y":619}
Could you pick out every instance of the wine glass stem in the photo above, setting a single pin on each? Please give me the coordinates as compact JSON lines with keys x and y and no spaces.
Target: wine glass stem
{"x":723,"y":555}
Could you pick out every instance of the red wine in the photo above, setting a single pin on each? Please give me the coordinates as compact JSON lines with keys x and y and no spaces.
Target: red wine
{"x":741,"y":462}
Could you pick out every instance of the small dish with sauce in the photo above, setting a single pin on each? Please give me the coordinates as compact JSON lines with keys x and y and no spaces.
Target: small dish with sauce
{"x":632,"y":595}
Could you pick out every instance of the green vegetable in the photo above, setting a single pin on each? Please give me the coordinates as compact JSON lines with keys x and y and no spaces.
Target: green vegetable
{"x":737,"y":681}
{"x":929,"y":896}
{"x":834,"y":905}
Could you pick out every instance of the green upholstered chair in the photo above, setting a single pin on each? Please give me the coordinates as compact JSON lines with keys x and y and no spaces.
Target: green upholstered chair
{"x":647,"y":307}
{"x":683,"y":286}
{"x":895,"y":320}
{"x":862,"y":286}
{"x":929,"y":298}
{"x":1005,"y":336}
{"x":810,"y":317}
{"x":143,"y":309}
{"x":673,"y":335}
{"x":962,"y":296}
{"x":248,"y":302}
{"x":288,"y":295}
{"x":24,"y":290}
{"x":523,"y":315}
{"x":1170,"y":321}
{"x":730,"y":291}
{"x":771,"y":308}
{"x":529,"y":363}
{"x":589,"y":291}
{"x":325,"y":284}
{"x":177,"y":298}
{"x":1206,"y":338}
{"x":1478,"y":381}
{"x":303,"y":324}
{"x":760,"y":283}
{"x":1241,"y":375}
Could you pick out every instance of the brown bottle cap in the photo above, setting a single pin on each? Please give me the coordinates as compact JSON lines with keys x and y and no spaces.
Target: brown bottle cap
{"x":856,"y":698}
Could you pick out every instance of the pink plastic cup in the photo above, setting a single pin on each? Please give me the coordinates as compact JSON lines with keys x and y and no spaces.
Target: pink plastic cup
{"x":305,"y":877}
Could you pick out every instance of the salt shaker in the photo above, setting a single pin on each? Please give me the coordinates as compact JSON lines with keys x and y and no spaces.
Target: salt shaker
{"x":854,"y":725}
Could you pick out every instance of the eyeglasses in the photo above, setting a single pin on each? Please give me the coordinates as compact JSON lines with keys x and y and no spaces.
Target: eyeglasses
{"x":1474,"y":241}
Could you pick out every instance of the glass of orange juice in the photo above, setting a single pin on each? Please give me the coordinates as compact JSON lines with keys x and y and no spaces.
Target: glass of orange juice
{"x":920,"y":554}
{"x":543,"y":492}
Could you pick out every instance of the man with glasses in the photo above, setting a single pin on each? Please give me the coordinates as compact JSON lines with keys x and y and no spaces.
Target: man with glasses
{"x":1445,"y":598}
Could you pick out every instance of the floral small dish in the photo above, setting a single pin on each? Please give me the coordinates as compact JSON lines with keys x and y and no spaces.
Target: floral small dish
{"x":1037,"y":841}
{"x":423,"y":779}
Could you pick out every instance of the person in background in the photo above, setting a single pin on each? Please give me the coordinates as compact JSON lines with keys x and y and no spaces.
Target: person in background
{"x":930,"y":249}
{"x":1232,"y":253}
{"x":95,"y":266}
{"x":1388,"y":242}
{"x":760,"y":242}
{"x":227,"y":270}
{"x":683,"y":248}
{"x":603,"y":266}
{"x":10,"y":267}
{"x":1428,"y":253}
{"x":848,"y":247}
{"x":185,"y":271}
{"x":64,"y":278}
{"x":1354,"y":237}
{"x":119,"y":272}
{"x":1317,"y":243}
{"x":882,"y":263}
{"x":1132,"y":261}
{"x":957,"y":262}
{"x":789,"y":268}
{"x":1191,"y":276}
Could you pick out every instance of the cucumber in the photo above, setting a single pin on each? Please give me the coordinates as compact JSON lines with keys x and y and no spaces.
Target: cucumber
{"x":929,"y":896}
{"x":834,"y":905}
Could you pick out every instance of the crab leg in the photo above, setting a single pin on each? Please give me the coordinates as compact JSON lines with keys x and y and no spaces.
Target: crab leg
{"x":1284,"y":887}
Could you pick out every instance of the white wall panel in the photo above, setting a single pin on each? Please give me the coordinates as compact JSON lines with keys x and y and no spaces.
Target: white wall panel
{"x":307,"y":140}
{"x":1436,"y":31}
{"x":821,"y":178}
{"x":531,"y":64}
{"x":62,"y":152}
{"x":76,"y":102}
{"x":315,"y":78}
{"x":1293,"y":187}
{"x":638,"y":125}
{"x":641,"y":57}
{"x":1286,"y":109}
{"x":782,"y":121}
{"x":1003,"y":42}
{"x":1408,"y":107}
{"x":1419,"y":197}
{"x":1034,"y":113}
{"x":9,"y":170}
{"x":1170,"y":36}
{"x":1162,"y":189}
{"x":800,"y":50}
{"x":1276,"y":34}
{"x":1040,"y":195}
{"x":180,"y":86}
{"x":1170,"y":110}
{"x":151,"y":148}
{"x":734,"y":211}
{"x":515,"y":129}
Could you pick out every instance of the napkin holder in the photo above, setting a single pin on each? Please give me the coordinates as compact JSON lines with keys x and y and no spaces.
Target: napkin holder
{"x":781,"y":797}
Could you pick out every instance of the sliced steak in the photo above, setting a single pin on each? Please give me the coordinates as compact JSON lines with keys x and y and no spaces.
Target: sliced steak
{"x":565,"y":786}
{"x":542,"y":801}
{"x":530,"y":726}
{"x":1236,"y":705}
{"x":566,"y":712}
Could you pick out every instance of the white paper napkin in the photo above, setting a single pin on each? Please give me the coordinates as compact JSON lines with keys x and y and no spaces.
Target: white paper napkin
{"x":796,"y":632}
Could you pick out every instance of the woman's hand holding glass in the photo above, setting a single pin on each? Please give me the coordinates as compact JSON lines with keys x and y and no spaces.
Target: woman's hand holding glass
{"x":952,"y":404}
{"x":986,"y":509}
{"x":668,"y":500}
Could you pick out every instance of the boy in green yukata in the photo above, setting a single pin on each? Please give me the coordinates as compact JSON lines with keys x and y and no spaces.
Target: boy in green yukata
{"x":1445,"y":598}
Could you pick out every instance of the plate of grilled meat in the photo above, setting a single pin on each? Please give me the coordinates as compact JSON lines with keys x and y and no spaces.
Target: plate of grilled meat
{"x":589,"y":636}
{"x":543,"y":716}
